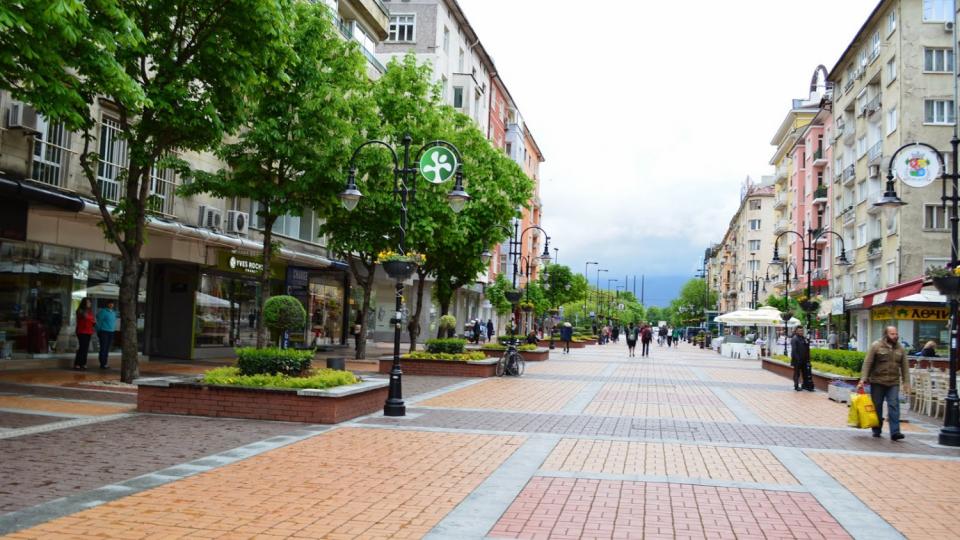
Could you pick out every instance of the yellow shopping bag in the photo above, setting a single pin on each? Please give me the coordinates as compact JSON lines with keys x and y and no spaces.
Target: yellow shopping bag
{"x":853,"y":418}
{"x":865,"y":412}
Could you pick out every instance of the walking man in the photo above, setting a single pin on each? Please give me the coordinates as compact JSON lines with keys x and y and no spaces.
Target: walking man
{"x":490,"y":335}
{"x":566,"y":335}
{"x":885,"y":366}
{"x":646,"y":336}
{"x":800,"y":360}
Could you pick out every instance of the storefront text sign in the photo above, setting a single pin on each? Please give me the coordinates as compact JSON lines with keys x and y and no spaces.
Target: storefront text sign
{"x":249,"y":265}
{"x":909,"y":313}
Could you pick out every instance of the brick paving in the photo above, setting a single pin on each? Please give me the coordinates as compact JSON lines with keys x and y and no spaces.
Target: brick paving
{"x":12,"y":420}
{"x":594,"y":444}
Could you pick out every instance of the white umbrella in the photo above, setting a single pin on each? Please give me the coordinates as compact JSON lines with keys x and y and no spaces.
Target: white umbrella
{"x":737,"y":318}
{"x":772,"y":317}
{"x":208,"y":300}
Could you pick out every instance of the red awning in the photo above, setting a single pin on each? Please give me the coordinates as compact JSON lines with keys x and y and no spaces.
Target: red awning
{"x":890,"y":294}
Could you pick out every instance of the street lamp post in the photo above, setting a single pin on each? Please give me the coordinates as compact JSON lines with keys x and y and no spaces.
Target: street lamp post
{"x":514,"y":253}
{"x":786,"y":267}
{"x":586,"y":275}
{"x":598,"y":293}
{"x":606,"y":303}
{"x":440,"y":160}
{"x":891,"y":202}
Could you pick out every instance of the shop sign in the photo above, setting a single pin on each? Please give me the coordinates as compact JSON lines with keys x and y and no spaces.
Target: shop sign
{"x":909,"y":313}
{"x":437,"y":164}
{"x":250,"y":265}
{"x":298,"y":277}
{"x":836,"y":305}
{"x":917,"y":166}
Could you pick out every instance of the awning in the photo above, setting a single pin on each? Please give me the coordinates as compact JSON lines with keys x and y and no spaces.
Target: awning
{"x":890,"y":294}
{"x":37,"y":193}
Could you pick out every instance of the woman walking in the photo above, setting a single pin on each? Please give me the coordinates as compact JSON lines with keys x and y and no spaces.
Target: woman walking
{"x":632,"y":333}
{"x":106,"y":325}
{"x":566,"y":335}
{"x":85,"y":322}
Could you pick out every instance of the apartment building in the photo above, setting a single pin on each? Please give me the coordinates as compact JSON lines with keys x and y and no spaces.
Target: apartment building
{"x":738,"y":265}
{"x":199,"y":289}
{"x":892,"y":85}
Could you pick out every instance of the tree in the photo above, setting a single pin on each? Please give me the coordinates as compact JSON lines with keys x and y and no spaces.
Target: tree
{"x":688,"y":308}
{"x":495,"y":294}
{"x":563,"y":285}
{"x":292,"y":150}
{"x":58,"y":56}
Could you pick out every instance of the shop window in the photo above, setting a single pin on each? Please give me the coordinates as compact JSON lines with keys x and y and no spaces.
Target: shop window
{"x":325,"y":308}
{"x":226,"y":312}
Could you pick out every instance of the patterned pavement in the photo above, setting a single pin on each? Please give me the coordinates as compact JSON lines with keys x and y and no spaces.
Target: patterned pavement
{"x":684,"y":444}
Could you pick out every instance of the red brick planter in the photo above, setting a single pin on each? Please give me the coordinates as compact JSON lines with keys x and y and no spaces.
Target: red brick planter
{"x":539,"y":355}
{"x":943,"y":364}
{"x":449,"y":368}
{"x":580,"y":344}
{"x":329,"y":406}
{"x":820,"y":380}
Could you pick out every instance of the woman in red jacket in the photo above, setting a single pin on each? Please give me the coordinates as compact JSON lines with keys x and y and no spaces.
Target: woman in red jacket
{"x":85,"y":322}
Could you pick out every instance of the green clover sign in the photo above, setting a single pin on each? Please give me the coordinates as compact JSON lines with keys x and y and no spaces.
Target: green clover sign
{"x":437,"y":164}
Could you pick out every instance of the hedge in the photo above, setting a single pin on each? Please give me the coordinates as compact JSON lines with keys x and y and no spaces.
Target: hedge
{"x":462,"y":357}
{"x":526,"y":347}
{"x":324,"y":378}
{"x":823,"y":366}
{"x":271,"y":360}
{"x":446,"y":345}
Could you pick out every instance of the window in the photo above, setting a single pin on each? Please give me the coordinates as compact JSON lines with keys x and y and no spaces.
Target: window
{"x":402,"y":28}
{"x":938,"y":60}
{"x":891,"y":120}
{"x":113,"y":158}
{"x":50,"y":152}
{"x":504,"y":258}
{"x":937,"y":10}
{"x":935,"y":217}
{"x":861,"y":146}
{"x":875,"y":46}
{"x":861,"y":235}
{"x":458,"y":97}
{"x":862,"y":280}
{"x":754,"y":224}
{"x":891,"y":21}
{"x":891,"y":70}
{"x":446,"y":40}
{"x":460,"y":62}
{"x":938,"y":111}
{"x":162,"y":187}
{"x":755,"y":204}
{"x":891,"y":272}
{"x":754,"y":245}
{"x":753,"y":265}
{"x":934,"y":262}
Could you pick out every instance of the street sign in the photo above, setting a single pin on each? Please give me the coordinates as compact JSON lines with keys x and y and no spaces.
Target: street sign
{"x":437,"y":164}
{"x":917,"y":166}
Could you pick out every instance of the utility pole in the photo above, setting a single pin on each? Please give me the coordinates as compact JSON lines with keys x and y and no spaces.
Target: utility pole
{"x":642,"y":278}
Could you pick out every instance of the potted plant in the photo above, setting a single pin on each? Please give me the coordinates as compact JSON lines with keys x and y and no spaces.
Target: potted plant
{"x":400,"y":266}
{"x":527,"y":307}
{"x":946,"y":280}
{"x":810,"y":305}
{"x":512,"y":296}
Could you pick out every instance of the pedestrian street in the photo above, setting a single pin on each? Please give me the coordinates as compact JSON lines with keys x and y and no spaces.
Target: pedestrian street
{"x":590,"y":444}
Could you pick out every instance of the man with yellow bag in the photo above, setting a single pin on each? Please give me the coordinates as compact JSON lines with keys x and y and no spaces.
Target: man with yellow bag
{"x":884,"y":367}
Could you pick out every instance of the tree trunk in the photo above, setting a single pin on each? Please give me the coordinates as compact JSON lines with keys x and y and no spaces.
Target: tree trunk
{"x":413,"y":326}
{"x":129,"y":290}
{"x":366,"y":282}
{"x":267,"y":255}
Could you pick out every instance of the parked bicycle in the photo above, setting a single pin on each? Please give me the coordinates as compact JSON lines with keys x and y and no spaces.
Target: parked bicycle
{"x":511,"y":363}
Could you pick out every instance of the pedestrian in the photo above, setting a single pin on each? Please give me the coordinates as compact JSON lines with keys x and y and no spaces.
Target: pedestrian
{"x":566,"y":336}
{"x":85,"y":323}
{"x":929,"y":350}
{"x":616,"y":333}
{"x":476,"y":331}
{"x":852,"y":344}
{"x":884,"y":367}
{"x":662,"y":336}
{"x":646,"y":336}
{"x":357,"y":330}
{"x":832,"y":339}
{"x":490,"y":329}
{"x":106,"y":324}
{"x":669,"y":337}
{"x":800,"y":360}
{"x":632,"y":334}
{"x":532,"y":337}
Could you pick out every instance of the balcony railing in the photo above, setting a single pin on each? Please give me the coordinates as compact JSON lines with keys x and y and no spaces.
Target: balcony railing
{"x":820,"y":194}
{"x":849,"y":216}
{"x":874,"y":248}
{"x":875,"y":152}
{"x":779,"y":200}
{"x":818,"y":155}
{"x":849,"y":173}
{"x":872,"y":106}
{"x":783,"y":171}
{"x":782,"y":225}
{"x":347,"y":30}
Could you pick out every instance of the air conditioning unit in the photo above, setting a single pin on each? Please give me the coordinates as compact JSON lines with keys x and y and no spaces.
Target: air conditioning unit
{"x":238,"y":222}
{"x":23,"y":117}
{"x":210,"y":217}
{"x":948,"y":26}
{"x":874,"y":171}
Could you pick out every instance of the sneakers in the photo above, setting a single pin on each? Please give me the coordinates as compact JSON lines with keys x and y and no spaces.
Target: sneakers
{"x":896,"y":436}
{"x":876,"y":434}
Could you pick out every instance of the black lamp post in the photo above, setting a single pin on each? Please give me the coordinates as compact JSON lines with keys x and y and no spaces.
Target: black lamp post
{"x":405,"y":187}
{"x":514,"y":253}
{"x":785,"y":315}
{"x":890,"y":202}
{"x":754,"y":283}
{"x":607,"y":298}
{"x":809,"y":248}
{"x":586,"y":274}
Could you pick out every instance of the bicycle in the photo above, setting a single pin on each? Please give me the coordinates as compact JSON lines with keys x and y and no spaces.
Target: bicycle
{"x":511,"y":363}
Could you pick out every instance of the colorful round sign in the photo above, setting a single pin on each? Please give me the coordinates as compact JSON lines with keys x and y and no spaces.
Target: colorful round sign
{"x":437,"y":164}
{"x":917,"y":166}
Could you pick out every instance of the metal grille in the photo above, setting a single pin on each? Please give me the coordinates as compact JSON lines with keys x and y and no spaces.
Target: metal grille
{"x":162,"y":186}
{"x":113,"y":159}
{"x":50,"y":152}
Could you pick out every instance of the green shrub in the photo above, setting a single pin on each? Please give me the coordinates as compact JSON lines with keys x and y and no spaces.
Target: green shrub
{"x":271,"y":360}
{"x":463,"y":357}
{"x":447,"y":345}
{"x":497,"y":347}
{"x":824,"y":367}
{"x":283,"y":313}
{"x":324,"y":378}
{"x":852,"y":360}
{"x":448,"y":322}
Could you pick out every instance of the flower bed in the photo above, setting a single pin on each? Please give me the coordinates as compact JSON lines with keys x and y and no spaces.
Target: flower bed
{"x":821,"y":380}
{"x":191,"y":396}
{"x":473,"y":364}
{"x":535,"y":354}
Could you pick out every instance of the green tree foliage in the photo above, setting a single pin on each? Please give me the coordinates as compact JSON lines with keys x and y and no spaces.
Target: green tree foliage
{"x":301,"y":128}
{"x":59,"y":55}
{"x":495,"y":294}
{"x":282,"y":313}
{"x":562,"y":285}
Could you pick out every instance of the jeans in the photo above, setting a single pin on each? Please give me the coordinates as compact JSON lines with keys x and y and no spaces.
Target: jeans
{"x":879,"y":393}
{"x":645,"y":350}
{"x":106,"y":339}
{"x":83,"y":346}
{"x":566,"y":346}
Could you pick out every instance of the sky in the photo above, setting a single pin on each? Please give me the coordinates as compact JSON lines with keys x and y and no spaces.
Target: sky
{"x":650,"y":115}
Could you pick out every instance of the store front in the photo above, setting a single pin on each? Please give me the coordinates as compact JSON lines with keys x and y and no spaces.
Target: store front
{"x":917,"y":324}
{"x":323,"y":294}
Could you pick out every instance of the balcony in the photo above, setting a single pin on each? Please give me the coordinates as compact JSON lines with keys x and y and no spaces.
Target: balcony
{"x":849,"y":134}
{"x":819,"y":160}
{"x":874,"y":249}
{"x":872,"y":107}
{"x":346,"y":28}
{"x":847,"y":87}
{"x":781,"y":226}
{"x":849,"y":216}
{"x":783,"y":171}
{"x":838,"y":131}
{"x":780,"y":200}
{"x":875,"y":153}
{"x":849,"y":175}
{"x":820,"y":195}
{"x":872,"y":197}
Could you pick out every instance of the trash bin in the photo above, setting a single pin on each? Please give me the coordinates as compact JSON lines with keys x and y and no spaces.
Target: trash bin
{"x":338,"y":362}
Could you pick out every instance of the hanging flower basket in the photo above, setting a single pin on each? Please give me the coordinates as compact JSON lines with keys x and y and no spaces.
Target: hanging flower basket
{"x":399,"y":270}
{"x":948,"y":286}
{"x":554,"y":311}
{"x":810,"y":306}
{"x":526,"y":308}
{"x":512,"y":296}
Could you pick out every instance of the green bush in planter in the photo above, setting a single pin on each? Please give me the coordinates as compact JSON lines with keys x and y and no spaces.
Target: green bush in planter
{"x":272,"y":360}
{"x":447,"y":345}
{"x":284,"y":313}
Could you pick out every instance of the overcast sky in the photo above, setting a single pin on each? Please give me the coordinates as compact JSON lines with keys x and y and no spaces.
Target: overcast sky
{"x":651,"y":114}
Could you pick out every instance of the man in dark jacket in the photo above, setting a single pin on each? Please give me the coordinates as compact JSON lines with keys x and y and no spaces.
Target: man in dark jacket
{"x":885,"y":366}
{"x":646,"y":336}
{"x":566,"y":336}
{"x":800,"y":360}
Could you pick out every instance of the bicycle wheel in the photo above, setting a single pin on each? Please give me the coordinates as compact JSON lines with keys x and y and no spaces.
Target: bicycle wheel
{"x":519,"y":365}
{"x":502,"y":364}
